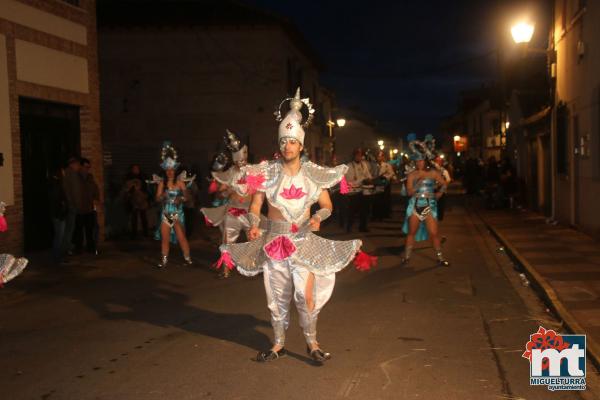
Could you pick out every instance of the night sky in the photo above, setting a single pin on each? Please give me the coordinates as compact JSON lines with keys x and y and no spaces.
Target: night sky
{"x":404,"y":63}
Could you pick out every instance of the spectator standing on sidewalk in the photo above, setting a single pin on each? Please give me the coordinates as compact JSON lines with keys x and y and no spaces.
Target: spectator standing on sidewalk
{"x":508,"y":182}
{"x":57,"y":201}
{"x":86,"y":215}
{"x":441,"y":202}
{"x":382,"y":200}
{"x":360,"y":181}
{"x":72,"y":185}
{"x":189,"y":206}
{"x":136,"y":200}
{"x":493,"y":191}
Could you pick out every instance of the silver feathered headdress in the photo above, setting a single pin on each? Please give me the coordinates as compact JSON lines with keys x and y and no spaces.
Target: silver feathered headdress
{"x":239,"y":151}
{"x":168,"y":156}
{"x":421,"y":150}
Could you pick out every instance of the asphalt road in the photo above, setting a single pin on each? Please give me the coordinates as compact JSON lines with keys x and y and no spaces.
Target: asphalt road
{"x":113,"y":327}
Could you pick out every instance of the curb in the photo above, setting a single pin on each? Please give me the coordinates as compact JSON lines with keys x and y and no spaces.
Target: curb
{"x":549,"y":295}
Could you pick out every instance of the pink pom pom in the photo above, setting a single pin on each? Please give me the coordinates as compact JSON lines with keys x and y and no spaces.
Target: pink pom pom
{"x":344,"y":186}
{"x":212,"y":188}
{"x":364,"y":262}
{"x":255,"y":182}
{"x":224,"y":259}
{"x":3,"y":224}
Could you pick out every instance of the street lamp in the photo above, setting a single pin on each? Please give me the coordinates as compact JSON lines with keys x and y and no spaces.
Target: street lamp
{"x":330,"y":125}
{"x":380,"y":142}
{"x":395,"y":151}
{"x":522,"y":32}
{"x":456,"y":138}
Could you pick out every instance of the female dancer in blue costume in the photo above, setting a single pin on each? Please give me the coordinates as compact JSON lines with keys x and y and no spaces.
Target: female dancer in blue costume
{"x":425,"y":185}
{"x":171,"y":193}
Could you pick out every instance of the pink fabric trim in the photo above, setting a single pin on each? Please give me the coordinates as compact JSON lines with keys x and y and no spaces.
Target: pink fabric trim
{"x":364,"y":262}
{"x":280,"y":248}
{"x":208,"y":221}
{"x":224,"y":259}
{"x":254,"y":182}
{"x":344,"y":186}
{"x":3,"y":224}
{"x":212,"y":188}
{"x":236,"y":212}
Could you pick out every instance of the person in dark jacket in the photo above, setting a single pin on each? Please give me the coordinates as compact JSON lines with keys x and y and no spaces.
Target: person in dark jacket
{"x":58,"y":212}
{"x":137,"y":199}
{"x":72,"y":186}
{"x":86,"y":214}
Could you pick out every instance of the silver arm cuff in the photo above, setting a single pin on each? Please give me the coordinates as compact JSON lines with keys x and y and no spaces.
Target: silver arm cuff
{"x":254,"y":220}
{"x":322,"y":214}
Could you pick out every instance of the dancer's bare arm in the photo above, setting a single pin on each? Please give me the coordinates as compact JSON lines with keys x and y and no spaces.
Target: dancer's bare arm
{"x":159,"y":191}
{"x":409,"y":184}
{"x":442,"y":184}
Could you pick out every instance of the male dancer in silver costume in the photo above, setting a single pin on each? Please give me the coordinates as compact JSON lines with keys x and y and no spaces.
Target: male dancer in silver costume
{"x":231,"y":217}
{"x":295,"y":262}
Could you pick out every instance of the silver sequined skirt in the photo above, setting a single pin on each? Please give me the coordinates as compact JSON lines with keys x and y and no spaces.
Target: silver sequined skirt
{"x":319,"y":255}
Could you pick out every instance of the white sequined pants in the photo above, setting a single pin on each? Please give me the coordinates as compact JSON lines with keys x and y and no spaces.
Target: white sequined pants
{"x":232,"y":227}
{"x":282,"y":280}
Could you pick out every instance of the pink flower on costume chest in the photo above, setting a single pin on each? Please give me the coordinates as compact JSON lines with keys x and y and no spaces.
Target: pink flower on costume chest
{"x":292,"y":193}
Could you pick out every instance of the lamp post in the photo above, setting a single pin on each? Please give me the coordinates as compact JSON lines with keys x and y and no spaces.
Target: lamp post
{"x":340,"y":122}
{"x":522,"y":33}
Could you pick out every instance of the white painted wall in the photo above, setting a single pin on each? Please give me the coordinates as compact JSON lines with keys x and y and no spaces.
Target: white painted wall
{"x":48,"y":67}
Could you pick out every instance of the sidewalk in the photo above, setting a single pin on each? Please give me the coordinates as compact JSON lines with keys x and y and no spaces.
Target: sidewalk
{"x":562,"y":263}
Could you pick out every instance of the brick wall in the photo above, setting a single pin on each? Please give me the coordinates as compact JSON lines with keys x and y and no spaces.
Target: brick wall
{"x":12,"y":241}
{"x":91,"y":143}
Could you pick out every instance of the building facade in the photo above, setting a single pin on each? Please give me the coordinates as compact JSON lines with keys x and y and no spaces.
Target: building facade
{"x":576,"y":114}
{"x":359,"y":131}
{"x":49,"y":108}
{"x":170,"y":73}
{"x":185,"y":71}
